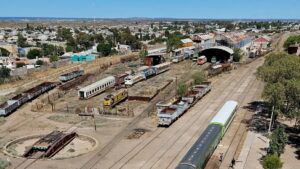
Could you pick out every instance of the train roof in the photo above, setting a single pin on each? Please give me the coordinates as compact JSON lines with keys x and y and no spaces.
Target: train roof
{"x":200,"y":150}
{"x":98,"y":83}
{"x":70,"y":73}
{"x":225,"y":112}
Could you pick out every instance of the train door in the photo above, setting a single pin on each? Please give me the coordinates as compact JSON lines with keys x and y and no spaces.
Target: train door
{"x":81,"y":94}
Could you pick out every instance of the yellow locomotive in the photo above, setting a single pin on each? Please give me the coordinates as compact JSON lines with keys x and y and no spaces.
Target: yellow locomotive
{"x":114,"y":98}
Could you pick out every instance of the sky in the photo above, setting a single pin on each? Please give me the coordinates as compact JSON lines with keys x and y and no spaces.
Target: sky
{"x":198,"y":9}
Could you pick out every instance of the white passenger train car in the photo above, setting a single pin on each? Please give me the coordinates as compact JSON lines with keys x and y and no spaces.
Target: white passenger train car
{"x":96,"y":88}
{"x":226,"y":114}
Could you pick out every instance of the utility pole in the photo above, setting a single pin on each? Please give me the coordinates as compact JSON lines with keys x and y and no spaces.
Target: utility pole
{"x":95,"y":126}
{"x":270,"y":124}
{"x":176,"y":87}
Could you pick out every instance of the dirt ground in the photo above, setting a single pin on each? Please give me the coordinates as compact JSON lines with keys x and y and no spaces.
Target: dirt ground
{"x":154,"y":148}
{"x":25,"y":122}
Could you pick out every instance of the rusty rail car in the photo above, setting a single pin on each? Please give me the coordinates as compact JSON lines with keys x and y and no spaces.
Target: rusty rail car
{"x":49,"y":145}
{"x":14,"y":103}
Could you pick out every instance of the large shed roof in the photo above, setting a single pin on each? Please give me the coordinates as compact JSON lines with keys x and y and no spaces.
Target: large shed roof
{"x":227,"y":49}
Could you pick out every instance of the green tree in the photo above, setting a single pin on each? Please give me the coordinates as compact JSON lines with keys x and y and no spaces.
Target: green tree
{"x":272,"y":162}
{"x":54,"y":58}
{"x":167,"y":33}
{"x":128,"y":39}
{"x":85,"y":40}
{"x":39,"y":62}
{"x":64,"y":34}
{"x":182,"y":90}
{"x":98,"y":38}
{"x":198,"y":77}
{"x":33,"y":53}
{"x":104,"y":48}
{"x":278,"y":141}
{"x":71,"y":45}
{"x":22,"y":41}
{"x":237,"y":55}
{"x":4,"y":52}
{"x":153,"y":36}
{"x":4,"y":72}
{"x":173,"y":42}
{"x":200,"y":30}
{"x":48,"y":49}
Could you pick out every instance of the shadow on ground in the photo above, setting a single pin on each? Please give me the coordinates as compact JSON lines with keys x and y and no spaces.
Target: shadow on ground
{"x":294,"y":138}
{"x":261,"y":117}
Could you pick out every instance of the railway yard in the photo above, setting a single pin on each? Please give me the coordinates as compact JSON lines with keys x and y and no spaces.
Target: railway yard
{"x":130,"y":141}
{"x":84,"y":123}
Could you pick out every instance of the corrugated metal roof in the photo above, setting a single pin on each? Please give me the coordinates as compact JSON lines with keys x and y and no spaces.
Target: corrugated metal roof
{"x":225,"y":112}
{"x":227,"y":49}
{"x":187,"y":40}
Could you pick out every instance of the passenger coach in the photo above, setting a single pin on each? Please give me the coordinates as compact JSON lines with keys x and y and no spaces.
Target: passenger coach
{"x":97,"y":88}
{"x":206,"y":144}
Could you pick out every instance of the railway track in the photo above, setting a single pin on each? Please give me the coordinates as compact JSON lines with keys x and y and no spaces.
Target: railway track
{"x":168,"y":144}
{"x":195,"y":136}
{"x":140,"y":146}
{"x":237,"y":141}
{"x":238,"y":134}
{"x":94,"y":160}
{"x":28,"y":162}
{"x":169,"y":91}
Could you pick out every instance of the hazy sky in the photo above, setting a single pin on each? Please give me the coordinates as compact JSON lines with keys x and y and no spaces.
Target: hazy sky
{"x":220,"y":9}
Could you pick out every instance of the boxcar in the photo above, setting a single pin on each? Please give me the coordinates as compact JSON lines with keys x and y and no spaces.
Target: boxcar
{"x":97,"y":88}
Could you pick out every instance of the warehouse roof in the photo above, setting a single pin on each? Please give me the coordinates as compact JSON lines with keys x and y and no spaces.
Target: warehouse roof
{"x":227,"y":49}
{"x":187,"y":40}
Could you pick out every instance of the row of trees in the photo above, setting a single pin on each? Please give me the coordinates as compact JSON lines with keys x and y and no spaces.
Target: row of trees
{"x":83,"y":41}
{"x":281,"y":73}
